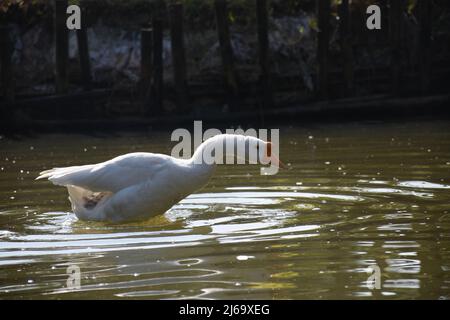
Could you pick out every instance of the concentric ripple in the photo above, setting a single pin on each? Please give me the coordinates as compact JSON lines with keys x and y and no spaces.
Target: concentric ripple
{"x":357,"y":197}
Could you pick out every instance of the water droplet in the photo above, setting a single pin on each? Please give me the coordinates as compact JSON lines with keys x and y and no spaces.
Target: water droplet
{"x":243,"y":258}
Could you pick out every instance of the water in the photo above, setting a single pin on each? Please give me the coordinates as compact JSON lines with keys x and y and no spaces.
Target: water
{"x":356,"y":196}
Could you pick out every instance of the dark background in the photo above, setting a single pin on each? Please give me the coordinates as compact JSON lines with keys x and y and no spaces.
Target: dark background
{"x":402,"y":69}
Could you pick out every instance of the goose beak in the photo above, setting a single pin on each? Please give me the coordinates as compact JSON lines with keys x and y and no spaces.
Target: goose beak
{"x":274,"y":159}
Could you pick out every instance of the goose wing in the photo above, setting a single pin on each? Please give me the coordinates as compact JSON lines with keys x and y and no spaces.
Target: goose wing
{"x":112,"y":175}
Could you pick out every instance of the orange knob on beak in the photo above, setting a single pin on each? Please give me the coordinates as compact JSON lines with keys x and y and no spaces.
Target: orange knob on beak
{"x":273,"y":157}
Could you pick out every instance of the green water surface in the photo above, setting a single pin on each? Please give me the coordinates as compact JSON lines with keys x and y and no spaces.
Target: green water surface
{"x":358,"y":195}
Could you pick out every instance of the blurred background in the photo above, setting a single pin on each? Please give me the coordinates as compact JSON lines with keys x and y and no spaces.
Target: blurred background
{"x":144,"y":59}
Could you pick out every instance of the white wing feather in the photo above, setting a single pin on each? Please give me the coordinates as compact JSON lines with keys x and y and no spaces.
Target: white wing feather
{"x":112,"y":175}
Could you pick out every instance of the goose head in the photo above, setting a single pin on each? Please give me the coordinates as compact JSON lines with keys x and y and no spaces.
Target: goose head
{"x":244,"y":149}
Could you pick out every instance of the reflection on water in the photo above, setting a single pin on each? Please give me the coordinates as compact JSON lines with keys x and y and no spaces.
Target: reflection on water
{"x":357,"y":196}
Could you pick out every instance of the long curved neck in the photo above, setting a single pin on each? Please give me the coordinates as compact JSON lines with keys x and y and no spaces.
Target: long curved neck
{"x":203,"y":164}
{"x":219,"y":144}
{"x":202,"y":170}
{"x":198,"y":158}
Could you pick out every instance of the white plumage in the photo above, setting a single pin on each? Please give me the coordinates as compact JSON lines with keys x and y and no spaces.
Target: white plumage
{"x":135,"y":186}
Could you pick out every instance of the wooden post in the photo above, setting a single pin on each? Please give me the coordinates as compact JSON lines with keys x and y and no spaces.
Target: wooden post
{"x":226,"y":51}
{"x":346,"y":46}
{"x":425,"y":8}
{"x":7,"y":76}
{"x":85,"y":63}
{"x":323,"y":14}
{"x":396,"y":11}
{"x":61,"y":46}
{"x":83,"y":52}
{"x":178,"y":54}
{"x":146,"y":61}
{"x":157,"y":79}
{"x":262,"y":19}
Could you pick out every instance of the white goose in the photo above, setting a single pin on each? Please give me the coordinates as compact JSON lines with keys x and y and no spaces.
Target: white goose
{"x":138,"y":186}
